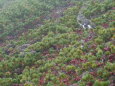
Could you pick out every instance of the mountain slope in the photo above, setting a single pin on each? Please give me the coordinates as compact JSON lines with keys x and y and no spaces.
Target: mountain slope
{"x":60,"y":52}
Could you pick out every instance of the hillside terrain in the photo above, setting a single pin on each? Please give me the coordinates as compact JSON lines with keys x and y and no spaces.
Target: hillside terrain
{"x":57,"y":43}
